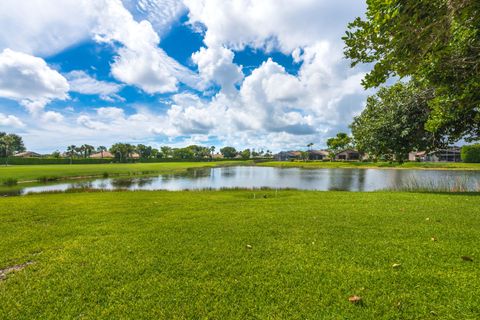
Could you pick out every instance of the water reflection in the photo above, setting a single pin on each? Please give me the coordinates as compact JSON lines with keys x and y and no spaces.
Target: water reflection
{"x":277,"y":178}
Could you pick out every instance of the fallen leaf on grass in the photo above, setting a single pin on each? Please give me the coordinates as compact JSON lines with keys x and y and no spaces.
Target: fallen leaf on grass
{"x":249,"y":246}
{"x":434,"y":239}
{"x":396,"y":265}
{"x":18,"y":267}
{"x":355,"y":299}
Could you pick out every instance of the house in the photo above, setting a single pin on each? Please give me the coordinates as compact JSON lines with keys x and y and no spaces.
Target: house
{"x":287,"y":155}
{"x":100,"y":155}
{"x":134,"y":156}
{"x":217,"y":156}
{"x":27,"y":154}
{"x":451,"y":154}
{"x":318,"y":154}
{"x":349,"y":154}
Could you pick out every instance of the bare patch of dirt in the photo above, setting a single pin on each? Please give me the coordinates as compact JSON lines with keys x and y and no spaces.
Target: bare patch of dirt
{"x":18,"y":267}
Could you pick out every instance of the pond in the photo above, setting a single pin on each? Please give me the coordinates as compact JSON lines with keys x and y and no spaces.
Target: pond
{"x":280,"y":178}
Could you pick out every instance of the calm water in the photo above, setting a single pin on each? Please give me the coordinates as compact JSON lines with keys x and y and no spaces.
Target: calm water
{"x":259,"y":177}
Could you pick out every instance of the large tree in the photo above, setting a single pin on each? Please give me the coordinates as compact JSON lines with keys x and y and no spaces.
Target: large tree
{"x":393,"y":123}
{"x":122,"y":151}
{"x":10,"y":143}
{"x":228,"y":152}
{"x":436,"y":42}
{"x":339,"y":143}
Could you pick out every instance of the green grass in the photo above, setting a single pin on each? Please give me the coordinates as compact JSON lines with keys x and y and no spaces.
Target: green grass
{"x":368,"y":165}
{"x":55,"y":172}
{"x":184,"y":255}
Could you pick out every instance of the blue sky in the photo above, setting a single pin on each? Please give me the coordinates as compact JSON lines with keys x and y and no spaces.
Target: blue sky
{"x":261,"y":74}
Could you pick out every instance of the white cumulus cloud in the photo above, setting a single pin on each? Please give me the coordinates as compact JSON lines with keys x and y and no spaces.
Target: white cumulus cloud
{"x":82,"y":82}
{"x":30,"y":80}
{"x":10,"y":121}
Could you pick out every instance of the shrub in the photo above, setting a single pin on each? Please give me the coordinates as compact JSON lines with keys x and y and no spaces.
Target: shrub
{"x":10,"y":182}
{"x":471,"y":154}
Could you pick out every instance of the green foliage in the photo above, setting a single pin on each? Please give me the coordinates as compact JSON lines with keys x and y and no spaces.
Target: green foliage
{"x":471,"y":154}
{"x":122,"y":151}
{"x":393,"y":123}
{"x":228,"y":152}
{"x":436,"y":42}
{"x":339,"y":143}
{"x":144,"y":151}
{"x":246,"y":154}
{"x":184,"y":255}
{"x":9,"y":182}
{"x":9,"y":144}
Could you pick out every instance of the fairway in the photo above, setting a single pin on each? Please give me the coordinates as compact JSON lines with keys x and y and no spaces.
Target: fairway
{"x":240,"y":255}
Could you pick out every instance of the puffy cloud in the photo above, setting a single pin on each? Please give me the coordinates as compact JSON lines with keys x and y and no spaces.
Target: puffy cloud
{"x":43,"y":28}
{"x":10,"y":121}
{"x":111,"y":113}
{"x":269,"y":24}
{"x":52,"y":116}
{"x":83,"y":83}
{"x":268,"y":108}
{"x":140,"y":61}
{"x":30,"y":80}
{"x":160,"y":13}
{"x":216,"y":64}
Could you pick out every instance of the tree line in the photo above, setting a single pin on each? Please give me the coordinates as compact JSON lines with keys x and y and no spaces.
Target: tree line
{"x":11,"y":144}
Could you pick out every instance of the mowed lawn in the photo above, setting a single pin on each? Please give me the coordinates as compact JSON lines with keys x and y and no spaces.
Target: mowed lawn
{"x":240,"y":255}
{"x":51,"y":172}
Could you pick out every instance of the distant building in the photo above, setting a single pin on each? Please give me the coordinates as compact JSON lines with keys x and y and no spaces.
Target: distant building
{"x":452,"y":154}
{"x":217,"y":156}
{"x":101,"y":155}
{"x":27,"y":154}
{"x":287,"y":155}
{"x":318,"y":154}
{"x":348,"y":155}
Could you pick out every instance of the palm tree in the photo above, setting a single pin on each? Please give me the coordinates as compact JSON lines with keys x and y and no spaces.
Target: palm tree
{"x":212,"y":151}
{"x":71,"y":150}
{"x":87,"y":150}
{"x":310,"y":145}
{"x":102,"y":149}
{"x":8,"y":141}
{"x":166,"y":151}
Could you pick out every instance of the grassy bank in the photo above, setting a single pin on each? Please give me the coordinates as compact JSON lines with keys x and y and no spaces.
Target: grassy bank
{"x":54,"y":172}
{"x":224,"y":255}
{"x":373,"y":165}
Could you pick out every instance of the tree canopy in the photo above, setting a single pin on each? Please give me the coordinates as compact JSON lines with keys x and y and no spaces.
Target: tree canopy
{"x":339,"y":143}
{"x":228,"y":152}
{"x":393,"y":123}
{"x":10,"y":143}
{"x":435,"y":42}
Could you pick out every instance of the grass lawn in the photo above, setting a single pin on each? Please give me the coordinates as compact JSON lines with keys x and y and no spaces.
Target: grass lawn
{"x":367,"y":165}
{"x":228,"y":255}
{"x":52,"y":172}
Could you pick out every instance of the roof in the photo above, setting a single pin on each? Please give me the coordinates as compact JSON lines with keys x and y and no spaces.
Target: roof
{"x":348,"y":151}
{"x":319,"y":152}
{"x":294,"y":153}
{"x":97,"y":155}
{"x":27,"y":154}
